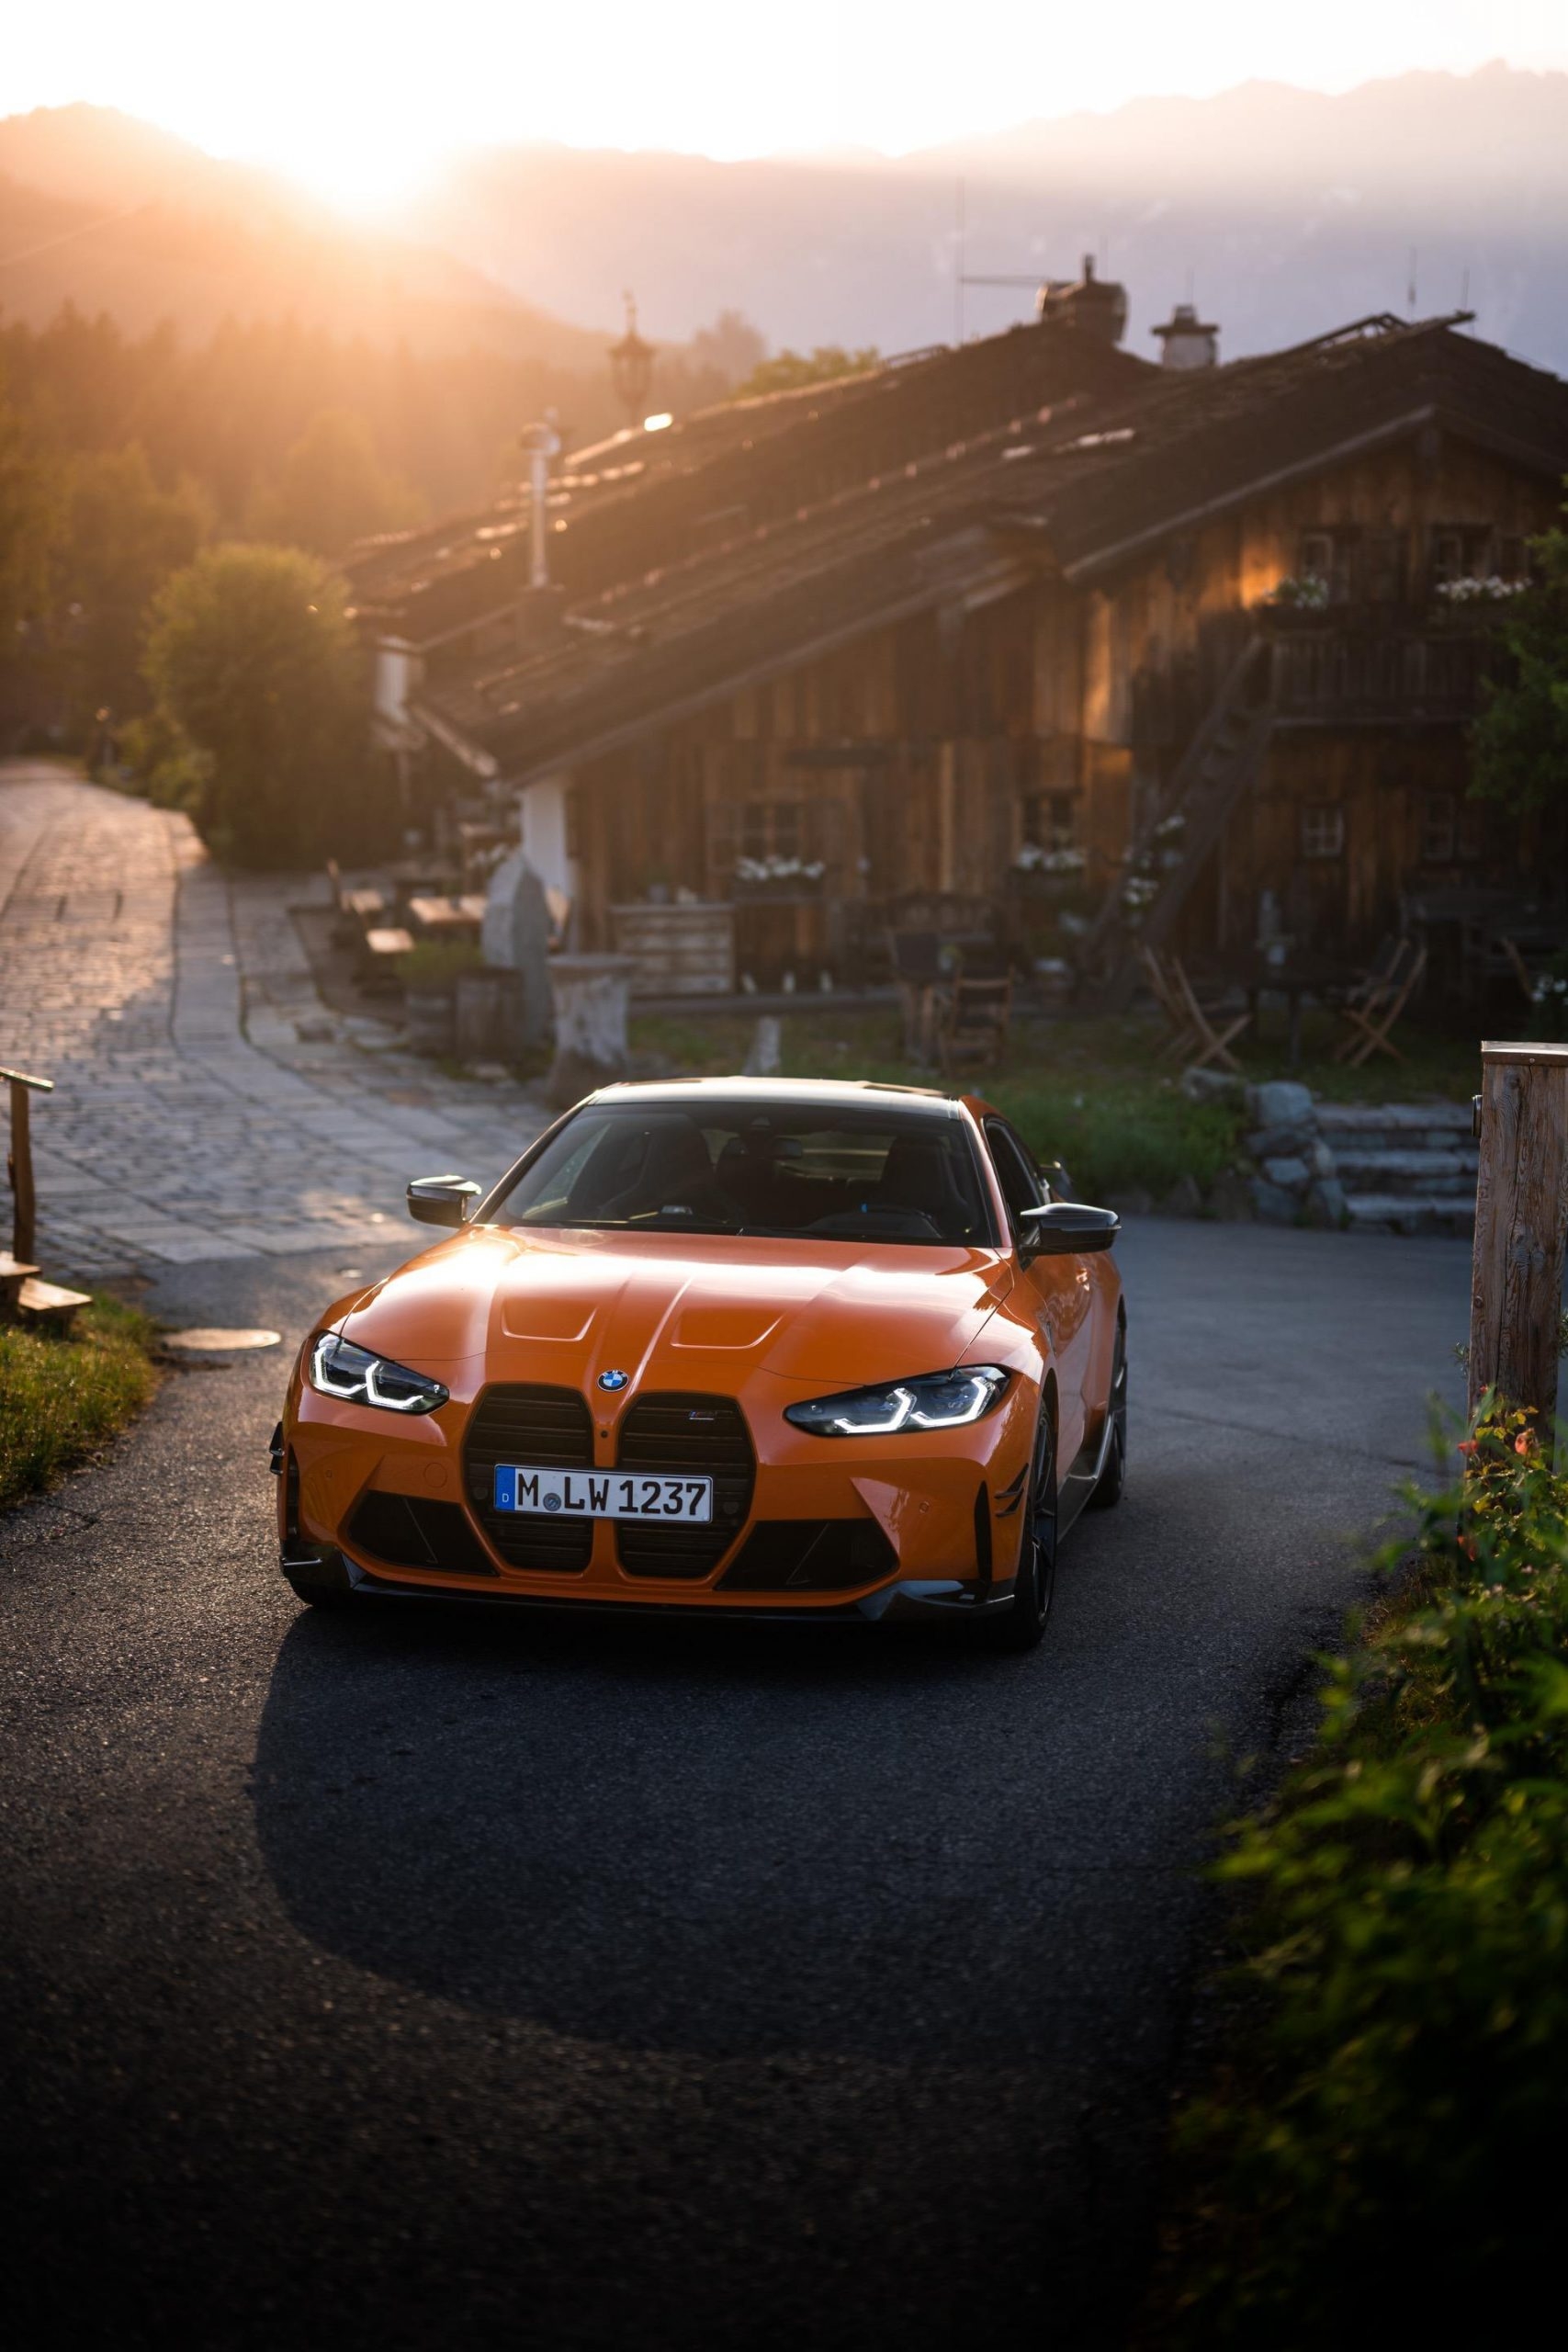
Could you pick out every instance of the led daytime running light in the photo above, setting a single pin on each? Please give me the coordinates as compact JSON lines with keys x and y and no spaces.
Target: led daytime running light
{"x":356,"y":1377}
{"x":937,"y":1400}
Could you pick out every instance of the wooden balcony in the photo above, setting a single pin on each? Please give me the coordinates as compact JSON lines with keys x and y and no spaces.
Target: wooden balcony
{"x":1330,"y":670}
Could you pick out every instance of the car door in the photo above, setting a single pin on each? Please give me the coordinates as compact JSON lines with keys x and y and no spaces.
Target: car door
{"x":1061,"y":1292}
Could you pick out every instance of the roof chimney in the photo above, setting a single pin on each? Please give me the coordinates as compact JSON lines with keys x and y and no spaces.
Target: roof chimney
{"x":539,"y":444}
{"x":1187,"y":341}
{"x":1096,"y":306}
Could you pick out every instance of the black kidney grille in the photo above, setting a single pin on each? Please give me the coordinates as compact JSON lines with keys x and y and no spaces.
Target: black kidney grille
{"x":411,"y":1531}
{"x":810,"y":1556}
{"x":546,"y":1428}
{"x":680,"y":1435}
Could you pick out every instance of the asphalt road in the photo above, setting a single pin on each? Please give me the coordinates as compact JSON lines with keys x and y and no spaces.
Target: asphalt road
{"x":421,"y":1979}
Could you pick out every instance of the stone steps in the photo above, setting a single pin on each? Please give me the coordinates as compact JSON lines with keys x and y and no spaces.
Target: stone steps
{"x":1370,"y":1167}
{"x":1408,"y":1171}
{"x":1411,"y":1212}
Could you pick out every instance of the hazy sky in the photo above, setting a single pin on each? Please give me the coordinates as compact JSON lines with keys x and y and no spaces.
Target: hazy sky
{"x":358,"y":96}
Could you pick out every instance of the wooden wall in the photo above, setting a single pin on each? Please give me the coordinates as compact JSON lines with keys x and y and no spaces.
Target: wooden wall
{"x":910,"y":755}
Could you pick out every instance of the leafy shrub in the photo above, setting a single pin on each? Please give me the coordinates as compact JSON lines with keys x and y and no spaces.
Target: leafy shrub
{"x":1394,"y":2153}
{"x":1121,"y":1136}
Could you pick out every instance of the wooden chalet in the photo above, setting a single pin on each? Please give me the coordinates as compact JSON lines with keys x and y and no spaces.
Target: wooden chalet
{"x":1113,"y":649}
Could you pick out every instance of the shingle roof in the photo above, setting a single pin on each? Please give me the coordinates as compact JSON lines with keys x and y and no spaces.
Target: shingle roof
{"x":1079,"y":486}
{"x":636,"y":502}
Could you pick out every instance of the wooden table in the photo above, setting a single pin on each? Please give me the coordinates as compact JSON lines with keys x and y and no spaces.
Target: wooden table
{"x":449,"y":915}
{"x":1301,"y":976}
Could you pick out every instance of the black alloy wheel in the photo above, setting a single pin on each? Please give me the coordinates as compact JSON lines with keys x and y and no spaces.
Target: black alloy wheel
{"x":1113,"y":1477}
{"x":1020,"y":1626}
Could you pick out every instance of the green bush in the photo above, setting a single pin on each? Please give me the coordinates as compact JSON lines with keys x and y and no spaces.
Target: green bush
{"x":1120,"y":1137}
{"x":1391,"y":2152}
{"x":62,"y":1398}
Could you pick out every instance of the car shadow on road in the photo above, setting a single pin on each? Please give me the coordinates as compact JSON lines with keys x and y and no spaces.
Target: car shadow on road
{"x":726,"y":1839}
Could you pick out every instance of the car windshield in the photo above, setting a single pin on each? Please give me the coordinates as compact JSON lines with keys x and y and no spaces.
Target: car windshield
{"x":758,"y":1168}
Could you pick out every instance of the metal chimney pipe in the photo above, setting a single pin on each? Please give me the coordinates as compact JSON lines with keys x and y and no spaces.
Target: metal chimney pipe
{"x":539,"y":444}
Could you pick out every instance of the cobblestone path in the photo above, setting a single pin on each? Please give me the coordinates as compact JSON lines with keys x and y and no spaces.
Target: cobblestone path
{"x":191,"y":1119}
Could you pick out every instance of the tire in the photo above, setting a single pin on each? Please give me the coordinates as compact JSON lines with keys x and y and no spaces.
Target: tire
{"x":322,"y":1583}
{"x":1113,"y":1477}
{"x":1021,"y":1625}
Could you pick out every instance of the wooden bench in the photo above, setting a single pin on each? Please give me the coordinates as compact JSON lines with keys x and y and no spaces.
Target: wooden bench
{"x":51,"y":1305}
{"x":380,"y":949}
{"x":14,"y":1273}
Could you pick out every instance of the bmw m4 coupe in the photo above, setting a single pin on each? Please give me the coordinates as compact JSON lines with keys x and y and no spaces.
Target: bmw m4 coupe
{"x":723,"y":1344}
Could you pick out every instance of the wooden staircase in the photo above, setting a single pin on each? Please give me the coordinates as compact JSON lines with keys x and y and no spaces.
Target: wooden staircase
{"x":1170,"y":853}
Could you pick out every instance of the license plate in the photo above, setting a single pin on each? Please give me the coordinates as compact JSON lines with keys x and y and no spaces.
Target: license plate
{"x":601,"y":1494}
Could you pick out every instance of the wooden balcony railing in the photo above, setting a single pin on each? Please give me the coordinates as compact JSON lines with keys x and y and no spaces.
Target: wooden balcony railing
{"x":1328,"y":676}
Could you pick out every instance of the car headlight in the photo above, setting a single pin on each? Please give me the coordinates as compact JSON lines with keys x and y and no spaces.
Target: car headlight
{"x":339,"y":1369}
{"x":936,"y":1400}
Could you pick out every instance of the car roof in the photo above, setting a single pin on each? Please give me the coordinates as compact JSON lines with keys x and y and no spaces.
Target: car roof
{"x":829,"y":1093}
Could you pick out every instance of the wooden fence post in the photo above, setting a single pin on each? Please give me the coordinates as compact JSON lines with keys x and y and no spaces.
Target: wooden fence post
{"x":1521,"y":1209}
{"x":19,"y":1161}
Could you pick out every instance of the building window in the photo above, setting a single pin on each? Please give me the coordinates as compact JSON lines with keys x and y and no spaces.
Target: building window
{"x":1461,"y":551}
{"x":773,"y":829}
{"x":1323,"y":830}
{"x":1332,"y":556}
{"x":1438,"y":828}
{"x":1451,"y":830}
{"x":1045,"y":820}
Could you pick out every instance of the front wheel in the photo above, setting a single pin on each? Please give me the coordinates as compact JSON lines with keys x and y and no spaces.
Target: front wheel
{"x":1020,"y":1626}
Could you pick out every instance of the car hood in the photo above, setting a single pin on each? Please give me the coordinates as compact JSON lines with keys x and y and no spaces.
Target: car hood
{"x":685,"y":1310}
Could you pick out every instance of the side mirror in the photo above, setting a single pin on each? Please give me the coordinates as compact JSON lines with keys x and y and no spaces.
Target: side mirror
{"x":442,"y":1200}
{"x":1066,"y":1229}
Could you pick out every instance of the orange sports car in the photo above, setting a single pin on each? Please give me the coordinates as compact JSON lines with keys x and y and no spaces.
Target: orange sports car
{"x":729,"y":1344}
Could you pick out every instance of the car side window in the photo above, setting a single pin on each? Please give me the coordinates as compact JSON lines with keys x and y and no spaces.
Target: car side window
{"x":1021,"y":1188}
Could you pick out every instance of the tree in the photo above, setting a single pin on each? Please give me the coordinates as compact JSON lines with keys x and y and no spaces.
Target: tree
{"x":332,"y":489}
{"x":1519,"y":743}
{"x":251,"y":655}
{"x":122,"y":537}
{"x":787,"y":371}
{"x":28,"y":520}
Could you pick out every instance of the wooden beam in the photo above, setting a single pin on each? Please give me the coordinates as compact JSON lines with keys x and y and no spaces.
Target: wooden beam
{"x":20,"y":1161}
{"x":1521,"y":1209}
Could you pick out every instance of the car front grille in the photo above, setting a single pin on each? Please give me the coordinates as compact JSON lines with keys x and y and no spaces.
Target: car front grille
{"x":810,"y":1556}
{"x":411,"y":1531}
{"x":680,"y":1435}
{"x":548,"y":1428}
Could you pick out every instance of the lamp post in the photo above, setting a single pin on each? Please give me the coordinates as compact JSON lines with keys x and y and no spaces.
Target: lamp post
{"x":631,"y":367}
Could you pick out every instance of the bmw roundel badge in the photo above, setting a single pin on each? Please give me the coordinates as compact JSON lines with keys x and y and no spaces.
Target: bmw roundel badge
{"x":614,"y":1380}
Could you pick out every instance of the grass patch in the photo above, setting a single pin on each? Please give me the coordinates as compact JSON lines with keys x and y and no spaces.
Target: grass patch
{"x":1385,"y":2156}
{"x":60,"y":1400}
{"x":1089,"y":1093}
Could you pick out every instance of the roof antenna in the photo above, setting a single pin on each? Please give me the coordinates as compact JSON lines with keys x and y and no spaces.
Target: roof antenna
{"x":1464,"y":293}
{"x":958,"y":276}
{"x":1410,"y":289}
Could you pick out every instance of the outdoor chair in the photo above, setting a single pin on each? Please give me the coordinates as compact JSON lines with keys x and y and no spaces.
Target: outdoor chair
{"x":1162,"y":987}
{"x":916,"y":958}
{"x":978,"y":1015}
{"x":1195,"y":1032}
{"x":1375,"y":1003}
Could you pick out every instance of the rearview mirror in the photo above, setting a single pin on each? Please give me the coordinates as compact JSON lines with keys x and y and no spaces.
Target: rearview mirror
{"x":441,"y":1200}
{"x":1063,"y":1228}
